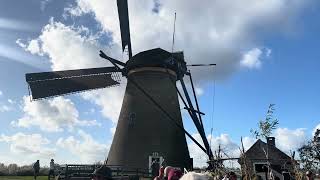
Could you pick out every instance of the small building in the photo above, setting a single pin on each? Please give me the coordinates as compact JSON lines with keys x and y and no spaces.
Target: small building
{"x":265,"y":160}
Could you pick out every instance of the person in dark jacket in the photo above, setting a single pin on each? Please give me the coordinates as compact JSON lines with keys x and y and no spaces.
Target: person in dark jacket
{"x":102,"y":173}
{"x":51,"y":169}
{"x":155,"y":166}
{"x":36,"y":169}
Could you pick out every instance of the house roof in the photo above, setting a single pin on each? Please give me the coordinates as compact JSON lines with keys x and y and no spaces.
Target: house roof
{"x":258,"y":149}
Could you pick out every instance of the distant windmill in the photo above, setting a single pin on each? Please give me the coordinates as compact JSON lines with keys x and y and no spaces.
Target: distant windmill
{"x":150,"y":125}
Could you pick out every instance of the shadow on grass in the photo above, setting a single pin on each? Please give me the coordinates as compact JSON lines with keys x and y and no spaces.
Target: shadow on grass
{"x":22,"y":177}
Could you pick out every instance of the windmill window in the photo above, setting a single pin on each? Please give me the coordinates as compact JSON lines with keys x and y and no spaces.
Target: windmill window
{"x":260,"y":168}
{"x":132,"y":119}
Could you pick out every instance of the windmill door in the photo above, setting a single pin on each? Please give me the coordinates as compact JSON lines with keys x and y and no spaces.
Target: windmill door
{"x":155,"y":158}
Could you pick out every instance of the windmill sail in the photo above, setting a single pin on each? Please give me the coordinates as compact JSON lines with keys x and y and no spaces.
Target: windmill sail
{"x":124,"y":25}
{"x":48,"y":84}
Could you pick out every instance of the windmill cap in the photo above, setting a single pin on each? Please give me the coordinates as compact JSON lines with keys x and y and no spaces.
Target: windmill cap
{"x":103,"y":171}
{"x":158,"y":58}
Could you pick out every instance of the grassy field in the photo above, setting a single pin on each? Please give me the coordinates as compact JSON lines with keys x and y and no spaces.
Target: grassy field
{"x":22,"y":177}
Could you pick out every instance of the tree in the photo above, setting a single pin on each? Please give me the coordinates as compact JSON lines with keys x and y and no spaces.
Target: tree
{"x":310,"y":153}
{"x":12,"y":169}
{"x":266,"y":126}
{"x":3,"y":169}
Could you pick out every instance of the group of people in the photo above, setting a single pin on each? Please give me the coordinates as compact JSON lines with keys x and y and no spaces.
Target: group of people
{"x":36,"y":169}
{"x":102,"y":173}
{"x":159,"y":172}
{"x":168,"y":173}
{"x":310,"y":175}
{"x":230,"y":176}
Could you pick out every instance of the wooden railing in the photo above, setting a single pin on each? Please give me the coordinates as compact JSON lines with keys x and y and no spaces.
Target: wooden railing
{"x":70,"y":171}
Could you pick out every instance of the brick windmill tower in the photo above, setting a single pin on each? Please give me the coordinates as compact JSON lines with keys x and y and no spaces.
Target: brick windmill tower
{"x":150,"y":126}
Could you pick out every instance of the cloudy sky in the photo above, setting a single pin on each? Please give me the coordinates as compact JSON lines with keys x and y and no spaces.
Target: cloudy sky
{"x":266,"y":52}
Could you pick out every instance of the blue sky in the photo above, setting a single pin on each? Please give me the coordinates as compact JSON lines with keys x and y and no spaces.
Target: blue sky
{"x":266,"y":52}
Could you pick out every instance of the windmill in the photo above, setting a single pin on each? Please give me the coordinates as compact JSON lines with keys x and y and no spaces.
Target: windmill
{"x":150,"y":126}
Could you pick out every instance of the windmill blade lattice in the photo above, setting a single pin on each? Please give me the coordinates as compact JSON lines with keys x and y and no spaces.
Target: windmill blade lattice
{"x":49,"y":84}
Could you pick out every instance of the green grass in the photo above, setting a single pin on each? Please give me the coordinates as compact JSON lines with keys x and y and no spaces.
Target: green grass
{"x":22,"y":177}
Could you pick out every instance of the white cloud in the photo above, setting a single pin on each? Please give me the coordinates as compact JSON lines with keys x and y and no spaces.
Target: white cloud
{"x":21,"y":44}
{"x":227,"y":145}
{"x":248,"y":142}
{"x":113,"y":130}
{"x":63,"y":44}
{"x":4,"y":108}
{"x":90,"y":111}
{"x":10,"y":101}
{"x":98,"y":7}
{"x":289,"y":139}
{"x":13,"y":53}
{"x":87,"y":149}
{"x":314,"y":130}
{"x":199,"y":157}
{"x":251,"y":59}
{"x":286,"y":140}
{"x":110,"y":101}
{"x":43,"y":4}
{"x":51,"y":115}
{"x":32,"y":47}
{"x":230,"y":148}
{"x":57,"y":39}
{"x":14,"y":24}
{"x":218,"y":33}
{"x":25,"y":144}
{"x":268,"y":52}
{"x":199,"y":91}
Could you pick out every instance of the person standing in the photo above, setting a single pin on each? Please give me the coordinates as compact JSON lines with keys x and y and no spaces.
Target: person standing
{"x":173,"y":173}
{"x":36,"y":169}
{"x":155,"y":166}
{"x":309,"y":175}
{"x":51,"y":169}
{"x":232,"y":176}
{"x":102,"y":173}
{"x":163,"y":163}
{"x":161,"y":174}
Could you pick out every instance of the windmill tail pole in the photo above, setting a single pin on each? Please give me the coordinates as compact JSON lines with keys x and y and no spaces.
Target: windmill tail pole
{"x":194,"y":117}
{"x":195,"y":98}
{"x":196,"y":121}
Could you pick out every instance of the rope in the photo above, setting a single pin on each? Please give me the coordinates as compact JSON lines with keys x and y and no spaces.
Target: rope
{"x":213,"y":107}
{"x":174,"y":30}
